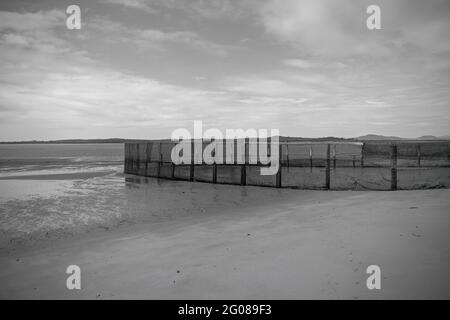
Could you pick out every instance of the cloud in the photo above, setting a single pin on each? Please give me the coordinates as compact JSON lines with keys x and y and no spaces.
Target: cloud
{"x":324,"y":27}
{"x":181,"y":37}
{"x":214,"y":9}
{"x":153,"y":38}
{"x":31,"y":20}
{"x":134,"y":4}
{"x":338,"y":28}
{"x":90,"y":98}
{"x":33,"y":31}
{"x":299,"y":63}
{"x":194,"y":9}
{"x":375,"y":103}
{"x":311,"y":69}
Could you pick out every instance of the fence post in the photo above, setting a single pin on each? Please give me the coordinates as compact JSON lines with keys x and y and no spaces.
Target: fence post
{"x":327,"y":169}
{"x":172,"y":173}
{"x":191,"y":168}
{"x":287,"y":155}
{"x":418,"y":155}
{"x":257,"y":151}
{"x":130,"y":158}
{"x":310,"y":158}
{"x":159,"y":160}
{"x":138,"y":162}
{"x":214,"y":173}
{"x":362,"y":154}
{"x":147,"y":157}
{"x":278,"y":180}
{"x":131,"y":149}
{"x":334,"y":156}
{"x":394,"y":167}
{"x":353,"y":161}
{"x":235,"y":159}
{"x":243,"y":168}
{"x":224,"y":150}
{"x":125,"y":149}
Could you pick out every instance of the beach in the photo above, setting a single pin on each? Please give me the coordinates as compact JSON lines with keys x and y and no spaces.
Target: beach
{"x":233,"y":242}
{"x":225,"y":150}
{"x":146,"y":238}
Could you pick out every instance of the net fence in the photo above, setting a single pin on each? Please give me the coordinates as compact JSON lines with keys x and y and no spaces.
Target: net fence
{"x":303,"y":165}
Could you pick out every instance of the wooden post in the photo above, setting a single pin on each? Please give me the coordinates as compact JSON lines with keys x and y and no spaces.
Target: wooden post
{"x":125,"y":165}
{"x":235,"y":159}
{"x":362,"y":155}
{"x":159,"y":159}
{"x":257,"y":151}
{"x":334,"y":156}
{"x":172,"y":173}
{"x":215,"y":172}
{"x":191,"y":171}
{"x":147,"y":157}
{"x":243,"y":166}
{"x":418,"y":155}
{"x":130,"y":158}
{"x":327,"y":169}
{"x":214,"y":177}
{"x":137,"y":159}
{"x":224,"y":150}
{"x":310,"y":158}
{"x":287,"y":155}
{"x":235,"y":142}
{"x":278,"y":178}
{"x":394,"y":167}
{"x":354,"y":161}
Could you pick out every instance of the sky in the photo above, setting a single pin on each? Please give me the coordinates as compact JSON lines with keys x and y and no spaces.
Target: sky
{"x":141,"y":69}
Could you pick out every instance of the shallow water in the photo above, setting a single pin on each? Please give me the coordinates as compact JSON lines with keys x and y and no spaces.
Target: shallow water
{"x":47,"y":189}
{"x":87,"y":190}
{"x":57,"y":158}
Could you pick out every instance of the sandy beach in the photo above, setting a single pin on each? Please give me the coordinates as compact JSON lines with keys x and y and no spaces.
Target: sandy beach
{"x":225,"y":150}
{"x":233,"y":242}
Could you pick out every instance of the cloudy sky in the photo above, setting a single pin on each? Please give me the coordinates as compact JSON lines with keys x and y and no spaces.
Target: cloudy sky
{"x":140,"y":69}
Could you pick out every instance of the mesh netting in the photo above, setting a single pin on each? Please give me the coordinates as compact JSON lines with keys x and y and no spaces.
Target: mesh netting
{"x":339,"y":166}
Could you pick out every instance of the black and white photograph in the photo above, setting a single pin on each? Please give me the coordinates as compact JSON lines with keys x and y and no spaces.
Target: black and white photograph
{"x":246,"y":151}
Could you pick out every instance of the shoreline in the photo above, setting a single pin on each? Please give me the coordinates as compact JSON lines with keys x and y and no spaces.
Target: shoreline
{"x":60,"y":176}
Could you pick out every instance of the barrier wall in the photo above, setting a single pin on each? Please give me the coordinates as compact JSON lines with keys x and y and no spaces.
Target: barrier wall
{"x":377,"y":165}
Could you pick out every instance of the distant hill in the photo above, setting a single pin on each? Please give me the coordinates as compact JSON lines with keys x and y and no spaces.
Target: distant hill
{"x":282,"y":138}
{"x":68,"y":141}
{"x":428,"y":137}
{"x":380,"y":137}
{"x":291,"y":139}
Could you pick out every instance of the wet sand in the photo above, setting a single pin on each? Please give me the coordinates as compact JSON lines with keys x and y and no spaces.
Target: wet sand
{"x":250,"y":243}
{"x":59,"y":176}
